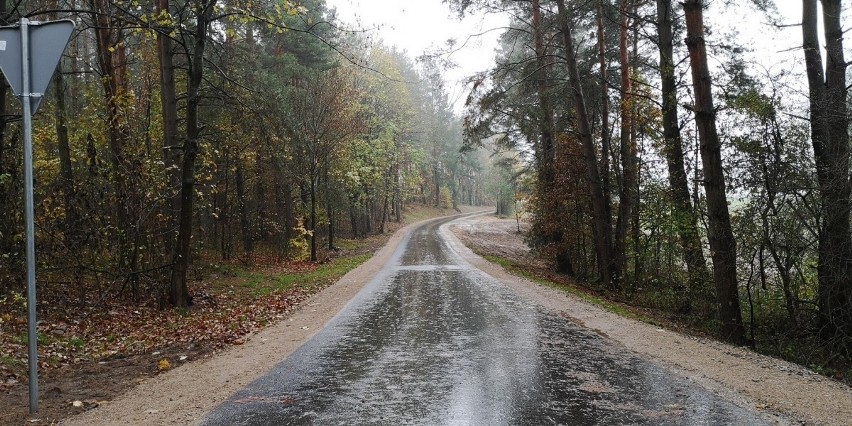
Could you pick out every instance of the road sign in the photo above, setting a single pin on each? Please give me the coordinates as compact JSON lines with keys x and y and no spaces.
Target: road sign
{"x":29,"y":54}
{"x":47,"y":41}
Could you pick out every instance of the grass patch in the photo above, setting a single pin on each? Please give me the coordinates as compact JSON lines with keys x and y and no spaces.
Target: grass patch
{"x":9,"y":361}
{"x":41,"y":339}
{"x":349,"y":244}
{"x":577,"y":292}
{"x":322,"y":276}
{"x":263,"y":284}
{"x":76,"y":342}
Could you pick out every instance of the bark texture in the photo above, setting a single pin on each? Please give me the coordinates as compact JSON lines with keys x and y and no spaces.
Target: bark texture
{"x":684,"y":214}
{"x":723,"y":247}
{"x":602,"y":221}
{"x":830,"y":139}
{"x":179,"y":294}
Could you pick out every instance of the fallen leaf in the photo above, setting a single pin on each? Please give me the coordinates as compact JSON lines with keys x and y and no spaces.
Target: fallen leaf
{"x":163,"y":365}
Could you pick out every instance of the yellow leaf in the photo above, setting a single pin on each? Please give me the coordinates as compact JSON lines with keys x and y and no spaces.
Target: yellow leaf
{"x":163,"y":365}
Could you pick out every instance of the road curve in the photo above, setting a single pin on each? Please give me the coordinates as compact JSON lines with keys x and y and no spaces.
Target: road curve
{"x":433,"y":340}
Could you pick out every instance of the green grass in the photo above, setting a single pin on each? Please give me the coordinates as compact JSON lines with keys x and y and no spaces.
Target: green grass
{"x":41,"y":339}
{"x":579,"y":293}
{"x":324,"y":274}
{"x":9,"y":361}
{"x":77,"y":342}
{"x":347,"y":244}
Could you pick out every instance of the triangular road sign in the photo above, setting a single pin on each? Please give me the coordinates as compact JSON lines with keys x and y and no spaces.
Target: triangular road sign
{"x":47,"y":42}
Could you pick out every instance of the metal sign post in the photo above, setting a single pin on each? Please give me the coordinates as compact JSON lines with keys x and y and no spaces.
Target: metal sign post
{"x":32,"y":332}
{"x":25,"y":72}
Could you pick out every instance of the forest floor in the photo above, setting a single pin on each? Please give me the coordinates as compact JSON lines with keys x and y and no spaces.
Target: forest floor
{"x":91,"y":352}
{"x":788,"y":393}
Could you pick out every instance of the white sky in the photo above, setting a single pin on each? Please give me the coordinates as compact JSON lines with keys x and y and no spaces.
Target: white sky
{"x":418,"y":25}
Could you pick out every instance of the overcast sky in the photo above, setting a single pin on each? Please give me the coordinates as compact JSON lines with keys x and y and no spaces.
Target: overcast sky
{"x":418,"y":25}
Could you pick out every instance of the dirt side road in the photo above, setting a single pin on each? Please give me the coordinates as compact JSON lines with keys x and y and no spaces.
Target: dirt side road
{"x":798,"y":395}
{"x":185,"y":394}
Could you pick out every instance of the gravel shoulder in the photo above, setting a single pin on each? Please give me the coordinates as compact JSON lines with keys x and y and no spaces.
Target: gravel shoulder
{"x":789,"y":393}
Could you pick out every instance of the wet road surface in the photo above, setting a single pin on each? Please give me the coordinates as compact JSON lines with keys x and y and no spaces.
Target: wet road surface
{"x":432,"y":340}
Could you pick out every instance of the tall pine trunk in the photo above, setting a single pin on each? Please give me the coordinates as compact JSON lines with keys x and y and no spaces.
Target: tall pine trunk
{"x":629,"y":171}
{"x":168,"y":101}
{"x":112,"y":61}
{"x":722,"y":244}
{"x":245,"y":222}
{"x":547,"y":146}
{"x":314,"y":179}
{"x":684,"y":214}
{"x":602,"y":221}
{"x":604,"y":108}
{"x":66,"y":172}
{"x":830,"y":139}
{"x":179,"y":295}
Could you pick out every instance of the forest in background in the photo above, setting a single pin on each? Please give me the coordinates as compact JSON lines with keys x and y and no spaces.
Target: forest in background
{"x":715,"y":191}
{"x":175,"y":131}
{"x":662,"y":166}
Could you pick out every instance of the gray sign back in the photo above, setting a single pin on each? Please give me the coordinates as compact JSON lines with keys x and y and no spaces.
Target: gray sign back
{"x":47,"y":42}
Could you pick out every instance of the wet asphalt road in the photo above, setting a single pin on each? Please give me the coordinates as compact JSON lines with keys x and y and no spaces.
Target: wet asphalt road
{"x":432,"y":340}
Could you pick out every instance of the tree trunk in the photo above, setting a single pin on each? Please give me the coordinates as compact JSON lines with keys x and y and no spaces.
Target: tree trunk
{"x":329,"y":204}
{"x":368,"y":217}
{"x":384,"y":215}
{"x":289,"y":220}
{"x":830,"y":139}
{"x":225,"y":207}
{"x":280,"y":206}
{"x":245,"y":223}
{"x":112,"y":61}
{"x":179,"y":294}
{"x":722,"y":244}
{"x":66,"y":172}
{"x":684,"y":214}
{"x":602,"y":221}
{"x":630,"y":171}
{"x":397,"y":194}
{"x":168,"y":100}
{"x":547,"y":148}
{"x":437,"y":186}
{"x":353,"y":218}
{"x":605,"y":136}
{"x":314,"y":257}
{"x":332,"y":228}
